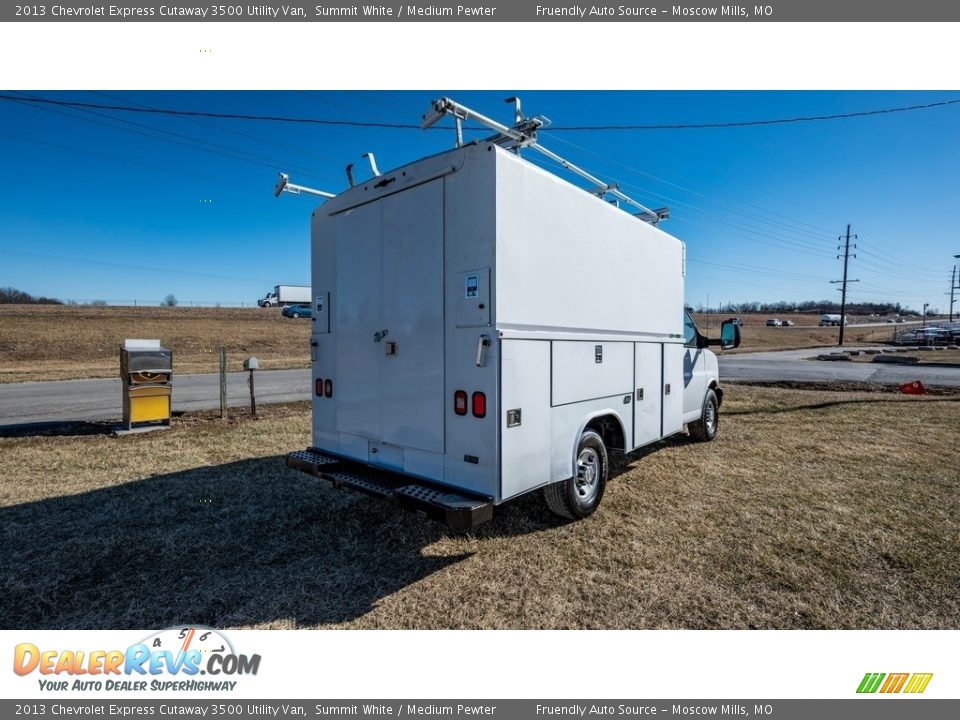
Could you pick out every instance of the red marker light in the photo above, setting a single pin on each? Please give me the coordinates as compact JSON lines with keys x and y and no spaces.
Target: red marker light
{"x":479,"y":405}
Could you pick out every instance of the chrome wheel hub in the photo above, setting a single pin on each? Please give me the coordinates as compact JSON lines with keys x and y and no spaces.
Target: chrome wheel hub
{"x":587,"y":483}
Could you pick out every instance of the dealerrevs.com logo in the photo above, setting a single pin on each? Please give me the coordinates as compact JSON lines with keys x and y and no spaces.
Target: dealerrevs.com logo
{"x":172,"y":659}
{"x":911,"y":683}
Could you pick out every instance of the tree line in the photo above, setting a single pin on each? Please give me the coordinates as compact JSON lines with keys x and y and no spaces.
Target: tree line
{"x":807,"y":306}
{"x":9,"y":295}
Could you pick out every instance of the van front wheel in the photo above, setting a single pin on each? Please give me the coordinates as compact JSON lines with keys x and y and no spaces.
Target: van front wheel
{"x":705,"y":429}
{"x":579,"y":496}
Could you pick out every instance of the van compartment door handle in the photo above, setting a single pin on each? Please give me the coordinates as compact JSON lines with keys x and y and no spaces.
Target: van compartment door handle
{"x":482,"y":344}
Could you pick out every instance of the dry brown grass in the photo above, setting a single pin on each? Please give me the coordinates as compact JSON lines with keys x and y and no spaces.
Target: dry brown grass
{"x":42,"y":342}
{"x":811,"y":510}
{"x":56,"y":342}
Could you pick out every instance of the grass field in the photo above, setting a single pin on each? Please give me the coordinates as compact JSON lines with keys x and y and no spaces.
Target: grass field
{"x":59,"y":342}
{"x":756,"y":336}
{"x":812,"y":509}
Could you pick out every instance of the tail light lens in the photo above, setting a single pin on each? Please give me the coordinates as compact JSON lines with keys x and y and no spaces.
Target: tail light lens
{"x":318,"y":387}
{"x":479,"y":405}
{"x":328,"y":387}
{"x":460,"y":402}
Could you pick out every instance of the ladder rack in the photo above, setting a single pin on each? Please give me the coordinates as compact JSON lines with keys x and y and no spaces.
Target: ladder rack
{"x":524,"y":135}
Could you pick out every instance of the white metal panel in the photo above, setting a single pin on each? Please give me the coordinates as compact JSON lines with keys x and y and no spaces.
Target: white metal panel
{"x":589,"y":370}
{"x":323,"y":349}
{"x":648,"y":399}
{"x":567,"y":260}
{"x":471,"y":451}
{"x":385,"y":456}
{"x":694,"y":381}
{"x":412,"y":315}
{"x":358,"y":313}
{"x":525,"y":386}
{"x":672,"y":388}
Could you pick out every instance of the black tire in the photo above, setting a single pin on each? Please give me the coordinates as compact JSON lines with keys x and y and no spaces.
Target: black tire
{"x":295,"y":315}
{"x":579,"y":496}
{"x":705,"y":429}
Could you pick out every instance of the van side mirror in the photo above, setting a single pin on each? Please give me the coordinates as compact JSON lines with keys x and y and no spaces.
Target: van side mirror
{"x":729,"y":335}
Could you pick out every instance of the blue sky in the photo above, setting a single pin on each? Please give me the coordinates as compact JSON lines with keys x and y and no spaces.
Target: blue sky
{"x":123,"y":207}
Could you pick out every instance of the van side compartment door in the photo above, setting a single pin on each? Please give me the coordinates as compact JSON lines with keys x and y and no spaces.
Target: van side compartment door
{"x":647,"y":393}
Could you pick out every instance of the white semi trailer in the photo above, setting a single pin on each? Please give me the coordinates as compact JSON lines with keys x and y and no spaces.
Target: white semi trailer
{"x":828,"y":319}
{"x":483,"y":328}
{"x":283,"y":295}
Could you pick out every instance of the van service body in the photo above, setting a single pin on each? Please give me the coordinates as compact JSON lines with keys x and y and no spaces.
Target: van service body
{"x":483,"y":328}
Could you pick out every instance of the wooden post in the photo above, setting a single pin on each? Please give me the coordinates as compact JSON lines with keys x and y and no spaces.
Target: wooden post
{"x":223,"y":382}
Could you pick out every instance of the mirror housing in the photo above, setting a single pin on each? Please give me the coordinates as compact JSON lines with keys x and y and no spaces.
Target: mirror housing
{"x":729,"y":335}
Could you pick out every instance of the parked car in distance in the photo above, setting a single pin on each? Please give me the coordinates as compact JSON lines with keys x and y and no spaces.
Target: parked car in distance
{"x":297,"y":311}
{"x":786,"y":323}
{"x":773,"y":322}
{"x":736,"y":321}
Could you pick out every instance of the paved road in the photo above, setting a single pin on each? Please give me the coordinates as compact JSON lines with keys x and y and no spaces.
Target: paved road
{"x":94,"y":400}
{"x":793,"y":365}
{"x":98,"y":400}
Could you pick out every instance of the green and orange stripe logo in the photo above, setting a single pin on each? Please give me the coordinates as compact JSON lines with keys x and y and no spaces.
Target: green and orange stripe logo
{"x":894,"y":682}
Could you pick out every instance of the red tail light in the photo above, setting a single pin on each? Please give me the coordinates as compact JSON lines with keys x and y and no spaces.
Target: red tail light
{"x":479,"y":404}
{"x":318,"y":387}
{"x":460,"y":402}
{"x":328,"y":387}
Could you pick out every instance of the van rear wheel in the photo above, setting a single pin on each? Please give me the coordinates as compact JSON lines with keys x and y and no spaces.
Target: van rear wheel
{"x":579,"y":496}
{"x":705,"y":429}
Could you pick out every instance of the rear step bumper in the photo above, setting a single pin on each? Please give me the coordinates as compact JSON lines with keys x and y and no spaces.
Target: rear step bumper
{"x":453,"y":509}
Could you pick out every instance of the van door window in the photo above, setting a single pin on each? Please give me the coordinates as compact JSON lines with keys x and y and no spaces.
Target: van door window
{"x":689,"y":330}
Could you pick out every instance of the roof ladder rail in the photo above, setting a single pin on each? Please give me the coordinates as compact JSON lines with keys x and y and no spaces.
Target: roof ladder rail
{"x":524,"y":135}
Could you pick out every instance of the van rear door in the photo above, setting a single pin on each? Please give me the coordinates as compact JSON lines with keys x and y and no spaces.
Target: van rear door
{"x":390,"y":319}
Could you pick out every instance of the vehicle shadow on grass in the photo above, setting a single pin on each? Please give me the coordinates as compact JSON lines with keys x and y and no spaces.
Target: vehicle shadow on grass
{"x":237,"y":544}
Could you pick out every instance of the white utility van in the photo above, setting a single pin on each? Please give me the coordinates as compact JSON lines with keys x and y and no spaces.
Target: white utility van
{"x":483,"y":328}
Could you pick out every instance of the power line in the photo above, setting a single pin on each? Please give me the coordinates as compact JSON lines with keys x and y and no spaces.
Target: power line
{"x":199,"y":113}
{"x":563,"y":128}
{"x":188,"y":141}
{"x":755,"y":123}
{"x":121,"y":266}
{"x":792,"y":227}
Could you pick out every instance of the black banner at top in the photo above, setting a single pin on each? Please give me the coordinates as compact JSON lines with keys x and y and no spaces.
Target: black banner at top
{"x":488,"y":11}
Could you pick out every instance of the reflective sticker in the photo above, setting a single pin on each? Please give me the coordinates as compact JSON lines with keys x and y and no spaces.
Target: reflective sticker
{"x":472,"y":288}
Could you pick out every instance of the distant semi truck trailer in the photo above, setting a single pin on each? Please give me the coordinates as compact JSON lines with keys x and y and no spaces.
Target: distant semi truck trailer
{"x":283,"y":295}
{"x":827,"y":320}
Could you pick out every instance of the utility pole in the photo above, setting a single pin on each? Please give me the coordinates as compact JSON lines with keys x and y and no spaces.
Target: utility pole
{"x":843,"y":289}
{"x":953,"y":286}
